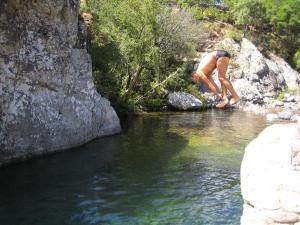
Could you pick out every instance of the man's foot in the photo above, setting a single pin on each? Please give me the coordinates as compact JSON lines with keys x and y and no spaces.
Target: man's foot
{"x":235,"y":100}
{"x":222,"y":103}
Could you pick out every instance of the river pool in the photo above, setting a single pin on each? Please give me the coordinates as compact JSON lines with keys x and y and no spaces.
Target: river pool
{"x":164,"y":168}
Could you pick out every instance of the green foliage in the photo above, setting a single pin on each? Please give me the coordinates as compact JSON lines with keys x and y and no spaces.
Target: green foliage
{"x":274,"y":24}
{"x":284,"y":18}
{"x":236,"y":35}
{"x":197,"y":12}
{"x":190,"y":3}
{"x":280,"y":96}
{"x":184,"y":3}
{"x":249,"y":13}
{"x":83,"y":7}
{"x":178,"y":32}
{"x":154,"y":104}
{"x":136,"y":45}
{"x":296,"y":60}
{"x":211,"y":13}
{"x":284,"y":15}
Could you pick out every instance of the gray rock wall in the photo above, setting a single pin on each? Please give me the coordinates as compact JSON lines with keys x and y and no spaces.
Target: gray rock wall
{"x":262,"y":74}
{"x":48,"y":101}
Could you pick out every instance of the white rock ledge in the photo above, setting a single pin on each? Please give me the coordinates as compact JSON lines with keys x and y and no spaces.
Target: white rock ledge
{"x":270,"y":177}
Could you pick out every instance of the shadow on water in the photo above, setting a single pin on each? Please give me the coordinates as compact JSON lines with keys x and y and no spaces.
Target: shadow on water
{"x":178,"y":168}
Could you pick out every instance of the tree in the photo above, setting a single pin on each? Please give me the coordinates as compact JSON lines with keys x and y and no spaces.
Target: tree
{"x":132,"y":25}
{"x":285,"y":19}
{"x":249,"y":13}
{"x":146,"y":39}
{"x":296,"y":60}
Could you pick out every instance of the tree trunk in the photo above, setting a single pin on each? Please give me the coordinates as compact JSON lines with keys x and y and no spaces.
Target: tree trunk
{"x":133,"y":80}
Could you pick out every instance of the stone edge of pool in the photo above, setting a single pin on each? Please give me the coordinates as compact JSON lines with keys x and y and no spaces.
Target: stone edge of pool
{"x":270,"y":177}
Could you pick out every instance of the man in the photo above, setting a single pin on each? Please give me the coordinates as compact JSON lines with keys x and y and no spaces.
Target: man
{"x":216,"y":60}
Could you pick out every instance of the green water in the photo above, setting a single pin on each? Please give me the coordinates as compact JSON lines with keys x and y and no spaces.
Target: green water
{"x":176,"y":168}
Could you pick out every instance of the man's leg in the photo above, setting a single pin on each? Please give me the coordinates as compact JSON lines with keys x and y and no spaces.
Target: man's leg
{"x":222,"y":65}
{"x":214,"y":84}
{"x":224,"y":91}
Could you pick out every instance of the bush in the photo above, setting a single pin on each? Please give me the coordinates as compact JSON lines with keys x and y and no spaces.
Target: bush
{"x":178,"y":31}
{"x":184,"y":3}
{"x":296,"y":60}
{"x":137,"y":45}
{"x":197,"y":12}
{"x":249,"y":13}
{"x":236,"y":35}
{"x":154,"y":104}
{"x":280,"y":96}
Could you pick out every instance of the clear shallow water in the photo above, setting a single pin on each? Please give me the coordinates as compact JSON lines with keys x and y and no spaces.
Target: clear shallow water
{"x":176,"y":168}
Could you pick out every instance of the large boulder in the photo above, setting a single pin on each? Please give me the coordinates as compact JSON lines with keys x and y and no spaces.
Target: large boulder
{"x":270,"y":177}
{"x":184,"y":101}
{"x":291,"y":76}
{"x":247,"y":92}
{"x":259,"y":71}
{"x":48,"y":101}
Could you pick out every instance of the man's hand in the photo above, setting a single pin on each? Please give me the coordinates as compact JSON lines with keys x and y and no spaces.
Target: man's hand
{"x":196,"y":77}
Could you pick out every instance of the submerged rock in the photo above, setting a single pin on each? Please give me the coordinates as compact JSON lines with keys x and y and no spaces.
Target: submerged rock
{"x":48,"y":101}
{"x":285,"y":115}
{"x":184,"y":101}
{"x":270,"y":177}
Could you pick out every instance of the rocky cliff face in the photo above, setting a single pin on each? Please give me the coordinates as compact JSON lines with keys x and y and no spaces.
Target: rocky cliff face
{"x":258,"y":79}
{"x":270,"y":177}
{"x":48,"y":101}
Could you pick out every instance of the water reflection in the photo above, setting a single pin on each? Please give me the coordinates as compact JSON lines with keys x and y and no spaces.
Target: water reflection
{"x":179,"y":168}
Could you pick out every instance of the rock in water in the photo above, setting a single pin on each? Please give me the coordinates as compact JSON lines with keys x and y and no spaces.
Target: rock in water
{"x":285,"y":115}
{"x":47,"y":96}
{"x":184,"y":101}
{"x":270,"y":177}
{"x":272,"y":116}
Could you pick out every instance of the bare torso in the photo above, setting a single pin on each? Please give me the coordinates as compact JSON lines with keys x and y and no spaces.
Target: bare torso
{"x":208,"y":64}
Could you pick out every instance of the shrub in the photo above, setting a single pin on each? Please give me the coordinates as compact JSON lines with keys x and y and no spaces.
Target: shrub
{"x":236,"y":35}
{"x":280,"y":96}
{"x":197,"y":12}
{"x":296,"y":60}
{"x":136,"y":45}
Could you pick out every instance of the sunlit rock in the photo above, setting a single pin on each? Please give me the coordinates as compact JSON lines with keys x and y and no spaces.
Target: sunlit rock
{"x":272,"y":116}
{"x":270,"y":177}
{"x":247,"y":92}
{"x":290,"y":75}
{"x":184,"y":101}
{"x":285,"y":115}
